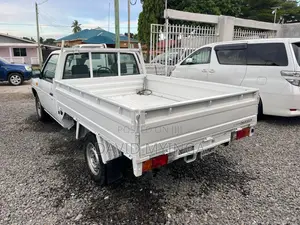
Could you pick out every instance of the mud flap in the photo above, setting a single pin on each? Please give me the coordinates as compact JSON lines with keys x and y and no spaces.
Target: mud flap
{"x":114,"y":170}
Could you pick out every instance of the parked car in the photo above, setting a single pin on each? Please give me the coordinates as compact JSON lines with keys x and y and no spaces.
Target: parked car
{"x":272,"y":65}
{"x":151,"y":120}
{"x":15,"y":74}
{"x":174,"y":56}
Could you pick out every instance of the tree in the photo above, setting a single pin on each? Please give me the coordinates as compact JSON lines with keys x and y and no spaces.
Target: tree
{"x":76,"y":26}
{"x":41,"y":40}
{"x":49,"y":41}
{"x":262,"y":10}
{"x":152,"y":13}
{"x":32,"y":39}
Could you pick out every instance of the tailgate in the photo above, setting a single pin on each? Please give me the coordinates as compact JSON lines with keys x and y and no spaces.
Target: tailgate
{"x":166,"y":130}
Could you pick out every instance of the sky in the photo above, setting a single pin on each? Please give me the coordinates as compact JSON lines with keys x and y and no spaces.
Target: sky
{"x":17,"y":17}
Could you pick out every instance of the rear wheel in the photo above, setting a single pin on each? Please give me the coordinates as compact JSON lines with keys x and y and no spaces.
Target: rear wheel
{"x":96,"y":167}
{"x":15,"y":79}
{"x":260,"y":113}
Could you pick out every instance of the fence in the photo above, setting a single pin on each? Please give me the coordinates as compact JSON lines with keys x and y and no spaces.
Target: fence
{"x":182,"y":41}
{"x":242,"y":34}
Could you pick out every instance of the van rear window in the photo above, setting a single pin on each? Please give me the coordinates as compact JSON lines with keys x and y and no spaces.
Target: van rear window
{"x":296,"y":48}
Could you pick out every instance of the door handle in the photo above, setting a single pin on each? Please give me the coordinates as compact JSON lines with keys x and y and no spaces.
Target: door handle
{"x":212,"y":71}
{"x":204,"y":71}
{"x":51,"y":94}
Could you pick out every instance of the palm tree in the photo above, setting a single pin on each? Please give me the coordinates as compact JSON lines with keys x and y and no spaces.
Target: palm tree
{"x":76,"y":26}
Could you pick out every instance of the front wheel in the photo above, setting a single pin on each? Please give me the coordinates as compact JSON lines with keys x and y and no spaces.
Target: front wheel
{"x":41,"y":114}
{"x":96,"y":167}
{"x":15,"y":79}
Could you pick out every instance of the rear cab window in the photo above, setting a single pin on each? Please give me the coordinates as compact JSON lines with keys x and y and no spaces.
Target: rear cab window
{"x":100,"y":64}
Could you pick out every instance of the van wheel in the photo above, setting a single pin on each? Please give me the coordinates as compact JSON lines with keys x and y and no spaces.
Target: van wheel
{"x":96,"y":167}
{"x":15,"y":79}
{"x":41,"y":114}
{"x":260,"y":114}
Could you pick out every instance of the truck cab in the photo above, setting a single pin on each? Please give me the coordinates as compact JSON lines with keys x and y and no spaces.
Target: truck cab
{"x":79,"y":63}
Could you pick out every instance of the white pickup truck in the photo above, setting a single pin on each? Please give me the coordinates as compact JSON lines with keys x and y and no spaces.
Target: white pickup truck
{"x":122,"y":112}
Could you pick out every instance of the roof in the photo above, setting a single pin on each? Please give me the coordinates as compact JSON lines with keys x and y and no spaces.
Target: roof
{"x":17,"y":38}
{"x":18,"y":44}
{"x":95,"y":36}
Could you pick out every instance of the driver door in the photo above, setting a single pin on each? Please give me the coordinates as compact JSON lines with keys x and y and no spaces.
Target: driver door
{"x":45,"y":85}
{"x":196,"y":66}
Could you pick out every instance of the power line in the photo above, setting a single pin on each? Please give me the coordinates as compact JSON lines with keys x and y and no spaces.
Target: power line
{"x":47,"y":25}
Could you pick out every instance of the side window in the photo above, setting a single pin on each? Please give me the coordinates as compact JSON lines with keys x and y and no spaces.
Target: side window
{"x":231,"y":54}
{"x":128,"y":64}
{"x":77,"y":66}
{"x":104,"y":64}
{"x":267,"y":54}
{"x":50,"y":67}
{"x":202,"y":56}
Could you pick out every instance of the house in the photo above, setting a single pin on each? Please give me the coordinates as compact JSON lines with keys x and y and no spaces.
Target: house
{"x":18,"y":50}
{"x":96,"y":36}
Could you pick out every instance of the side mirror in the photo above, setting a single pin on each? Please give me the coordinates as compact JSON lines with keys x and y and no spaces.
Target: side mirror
{"x":36,"y":74}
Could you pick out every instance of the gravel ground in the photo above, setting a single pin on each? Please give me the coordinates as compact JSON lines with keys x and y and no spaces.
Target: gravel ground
{"x":43,"y":179}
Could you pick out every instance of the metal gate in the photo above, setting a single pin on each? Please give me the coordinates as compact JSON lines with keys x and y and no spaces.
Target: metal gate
{"x":245,"y":34}
{"x":182,"y":41}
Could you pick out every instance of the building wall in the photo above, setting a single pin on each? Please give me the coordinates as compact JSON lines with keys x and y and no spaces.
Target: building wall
{"x":4,"y":52}
{"x":30,"y":52}
{"x":4,"y":39}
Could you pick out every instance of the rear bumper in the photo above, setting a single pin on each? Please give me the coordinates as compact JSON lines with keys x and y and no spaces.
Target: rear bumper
{"x":282,"y":105}
{"x":191,"y":148}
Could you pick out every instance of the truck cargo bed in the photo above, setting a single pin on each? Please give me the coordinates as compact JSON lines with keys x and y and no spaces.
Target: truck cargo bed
{"x":145,"y":116}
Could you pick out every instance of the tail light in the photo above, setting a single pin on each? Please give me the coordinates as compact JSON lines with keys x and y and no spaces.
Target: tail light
{"x":155,"y":162}
{"x":246,"y":132}
{"x":293,"y":77}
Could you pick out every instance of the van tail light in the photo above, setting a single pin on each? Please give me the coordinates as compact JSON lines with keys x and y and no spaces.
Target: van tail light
{"x":155,"y":162}
{"x":246,"y":132}
{"x":293,"y":77}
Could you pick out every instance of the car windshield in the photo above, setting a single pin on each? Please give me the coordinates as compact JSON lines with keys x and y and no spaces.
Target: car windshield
{"x":4,"y":61}
{"x":296,"y":48}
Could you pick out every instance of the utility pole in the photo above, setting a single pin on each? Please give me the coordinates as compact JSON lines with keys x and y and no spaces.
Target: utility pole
{"x":38,"y":35}
{"x":108,"y":17}
{"x":128,"y":23}
{"x":117,"y":24}
{"x":275,"y":12}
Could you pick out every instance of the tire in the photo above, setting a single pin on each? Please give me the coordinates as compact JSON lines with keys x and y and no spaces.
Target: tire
{"x":15,"y":79}
{"x":95,"y":166}
{"x":41,"y":114}
{"x":260,"y":113}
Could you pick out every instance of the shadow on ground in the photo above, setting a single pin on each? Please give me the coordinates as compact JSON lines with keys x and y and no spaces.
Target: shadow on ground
{"x":137,"y":200}
{"x":282,"y":121}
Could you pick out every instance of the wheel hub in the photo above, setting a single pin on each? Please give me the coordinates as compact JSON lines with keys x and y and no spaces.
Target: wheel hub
{"x":93,"y":159}
{"x":15,"y":79}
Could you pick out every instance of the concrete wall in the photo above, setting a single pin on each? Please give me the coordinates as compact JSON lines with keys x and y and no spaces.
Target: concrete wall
{"x":290,"y":30}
